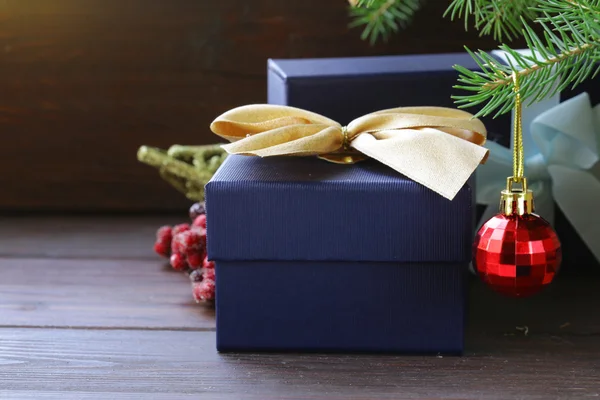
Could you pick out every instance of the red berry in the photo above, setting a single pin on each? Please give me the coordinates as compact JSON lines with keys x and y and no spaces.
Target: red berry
{"x":203,"y":291}
{"x":200,"y":231}
{"x":162,"y":246}
{"x":186,"y":241}
{"x":200,"y":220}
{"x":177,"y":244}
{"x":162,"y":249}
{"x":208,"y":264}
{"x":208,"y":289}
{"x":192,"y":241}
{"x":196,"y":291}
{"x":208,"y":273}
{"x":180,"y":228}
{"x":163,"y":234}
{"x":178,"y":262}
{"x":195,"y":259}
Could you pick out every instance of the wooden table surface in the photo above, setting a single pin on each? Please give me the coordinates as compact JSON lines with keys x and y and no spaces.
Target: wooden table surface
{"x":88,"y":312}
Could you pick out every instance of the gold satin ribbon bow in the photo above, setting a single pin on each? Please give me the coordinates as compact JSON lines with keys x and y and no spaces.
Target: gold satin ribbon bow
{"x":435,"y":146}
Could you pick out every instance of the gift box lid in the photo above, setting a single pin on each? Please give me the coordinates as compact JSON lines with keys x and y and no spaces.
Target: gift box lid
{"x":303,"y":208}
{"x":364,"y":66}
{"x":346,"y":88}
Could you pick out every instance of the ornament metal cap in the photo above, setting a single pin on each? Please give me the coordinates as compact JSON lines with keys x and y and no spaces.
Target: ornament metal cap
{"x":516,"y":200}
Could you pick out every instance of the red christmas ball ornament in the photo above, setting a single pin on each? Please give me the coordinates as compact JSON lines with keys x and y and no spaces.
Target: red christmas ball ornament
{"x":516,"y":252}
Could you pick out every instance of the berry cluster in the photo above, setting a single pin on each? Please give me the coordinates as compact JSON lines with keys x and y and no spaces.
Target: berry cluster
{"x":185,"y":247}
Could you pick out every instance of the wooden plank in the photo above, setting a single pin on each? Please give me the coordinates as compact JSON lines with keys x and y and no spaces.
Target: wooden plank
{"x":71,"y":236}
{"x":84,"y":83}
{"x":568,"y":306}
{"x":127,"y":293}
{"x":108,"y":294}
{"x":41,"y":363}
{"x":146,"y":293}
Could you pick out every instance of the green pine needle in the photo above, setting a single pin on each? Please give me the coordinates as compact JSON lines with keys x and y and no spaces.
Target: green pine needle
{"x":381,"y":18}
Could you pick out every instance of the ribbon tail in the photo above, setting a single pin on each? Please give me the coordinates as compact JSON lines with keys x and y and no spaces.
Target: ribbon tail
{"x":433,"y":158}
{"x":577,"y":193}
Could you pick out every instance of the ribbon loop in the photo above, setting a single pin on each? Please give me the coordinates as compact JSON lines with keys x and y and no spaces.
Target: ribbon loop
{"x":435,"y":146}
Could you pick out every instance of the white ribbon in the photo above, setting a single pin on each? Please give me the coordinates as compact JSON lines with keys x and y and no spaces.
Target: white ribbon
{"x":565,"y":169}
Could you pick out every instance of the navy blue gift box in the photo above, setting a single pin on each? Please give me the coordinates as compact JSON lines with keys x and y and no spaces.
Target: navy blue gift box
{"x":315,"y":256}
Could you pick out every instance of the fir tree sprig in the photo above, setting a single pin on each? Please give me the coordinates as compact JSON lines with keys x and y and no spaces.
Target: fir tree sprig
{"x":565,"y":55}
{"x":381,"y":18}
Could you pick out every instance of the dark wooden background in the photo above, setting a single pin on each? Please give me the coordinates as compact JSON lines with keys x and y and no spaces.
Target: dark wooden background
{"x":84,"y":83}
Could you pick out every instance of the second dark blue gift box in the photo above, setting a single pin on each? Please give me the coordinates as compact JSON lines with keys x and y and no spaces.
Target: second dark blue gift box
{"x":346,"y":88}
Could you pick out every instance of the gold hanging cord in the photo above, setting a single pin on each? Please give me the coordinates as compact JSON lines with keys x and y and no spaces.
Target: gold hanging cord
{"x":515,"y":200}
{"x":518,"y":157}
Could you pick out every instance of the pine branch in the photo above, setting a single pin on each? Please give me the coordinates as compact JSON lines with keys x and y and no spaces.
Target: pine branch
{"x":568,"y":52}
{"x":381,"y":18}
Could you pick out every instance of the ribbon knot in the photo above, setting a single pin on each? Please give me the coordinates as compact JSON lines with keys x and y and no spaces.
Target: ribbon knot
{"x":345,"y":141}
{"x":435,"y":146}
